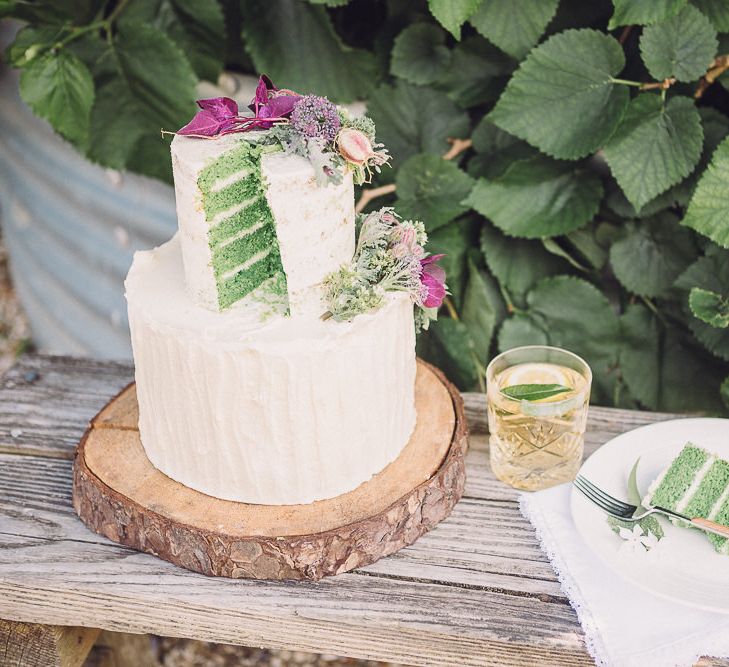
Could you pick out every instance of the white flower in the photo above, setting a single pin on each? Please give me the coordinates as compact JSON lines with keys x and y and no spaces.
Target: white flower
{"x":637,"y":541}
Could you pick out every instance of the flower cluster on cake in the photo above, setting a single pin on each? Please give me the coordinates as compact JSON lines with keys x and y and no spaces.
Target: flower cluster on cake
{"x":274,"y":343}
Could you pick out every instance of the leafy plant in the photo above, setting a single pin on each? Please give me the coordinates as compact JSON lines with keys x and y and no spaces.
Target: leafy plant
{"x":584,"y":201}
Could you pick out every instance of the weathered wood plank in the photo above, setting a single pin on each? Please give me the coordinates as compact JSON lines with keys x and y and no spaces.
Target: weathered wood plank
{"x":46,"y":402}
{"x":475,"y":591}
{"x":32,"y":645}
{"x":483,"y":544}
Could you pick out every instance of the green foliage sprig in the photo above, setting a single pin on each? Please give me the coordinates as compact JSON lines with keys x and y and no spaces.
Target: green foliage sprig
{"x":590,"y":211}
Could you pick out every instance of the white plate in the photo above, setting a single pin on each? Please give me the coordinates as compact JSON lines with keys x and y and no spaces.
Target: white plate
{"x":684,"y":566}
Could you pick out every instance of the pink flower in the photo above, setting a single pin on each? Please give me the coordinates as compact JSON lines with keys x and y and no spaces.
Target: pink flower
{"x":354,"y":146}
{"x":433,"y":281}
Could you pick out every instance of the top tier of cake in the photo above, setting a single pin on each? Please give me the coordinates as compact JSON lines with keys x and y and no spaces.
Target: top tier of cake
{"x":254,"y":220}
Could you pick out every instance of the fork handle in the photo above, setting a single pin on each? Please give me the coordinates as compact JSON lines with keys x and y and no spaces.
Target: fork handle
{"x":711,"y":526}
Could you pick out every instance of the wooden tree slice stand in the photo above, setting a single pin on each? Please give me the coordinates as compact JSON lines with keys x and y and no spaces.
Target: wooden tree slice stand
{"x":119,"y":494}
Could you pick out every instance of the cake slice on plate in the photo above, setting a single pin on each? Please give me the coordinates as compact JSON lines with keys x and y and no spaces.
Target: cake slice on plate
{"x":695,"y":484}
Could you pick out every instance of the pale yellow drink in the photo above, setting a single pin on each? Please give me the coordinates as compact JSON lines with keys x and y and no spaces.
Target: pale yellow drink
{"x":538,"y":443}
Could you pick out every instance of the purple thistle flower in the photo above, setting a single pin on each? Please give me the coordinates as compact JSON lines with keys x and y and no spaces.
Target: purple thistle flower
{"x":433,"y":280}
{"x":315,"y":117}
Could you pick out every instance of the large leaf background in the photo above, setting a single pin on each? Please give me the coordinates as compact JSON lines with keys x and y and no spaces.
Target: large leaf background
{"x":586,"y":205}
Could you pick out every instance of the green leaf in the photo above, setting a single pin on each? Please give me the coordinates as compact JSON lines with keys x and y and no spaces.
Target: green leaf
{"x":30,"y":42}
{"x":482,"y":310}
{"x":476,"y":74}
{"x":296,"y":45}
{"x":419,"y":54}
{"x":498,"y":148}
{"x":514,"y":27}
{"x":710,"y":273}
{"x":724,"y":391}
{"x":452,"y":14}
{"x":451,"y":241}
{"x":709,"y":307}
{"x":448,"y":345}
{"x":708,"y":211}
{"x":534,"y":392}
{"x":60,"y":89}
{"x":431,"y":189}
{"x":539,"y":197}
{"x":652,"y":254}
{"x":196,"y":26}
{"x":517,"y":264}
{"x":640,"y":355}
{"x":655,"y":146}
{"x":643,"y":12}
{"x":413,"y":119}
{"x":717,"y":11}
{"x":520,"y":330}
{"x":579,"y":318}
{"x":150,"y":86}
{"x":562,"y":99}
{"x":682,"y":46}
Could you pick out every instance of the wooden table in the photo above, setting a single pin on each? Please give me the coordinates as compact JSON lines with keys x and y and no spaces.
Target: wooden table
{"x":477,"y":590}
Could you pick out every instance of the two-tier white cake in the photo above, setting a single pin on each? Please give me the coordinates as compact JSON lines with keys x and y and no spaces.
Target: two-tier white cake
{"x":239,"y":397}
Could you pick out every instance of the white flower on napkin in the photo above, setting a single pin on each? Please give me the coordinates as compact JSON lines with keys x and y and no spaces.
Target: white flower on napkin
{"x":636,"y":541}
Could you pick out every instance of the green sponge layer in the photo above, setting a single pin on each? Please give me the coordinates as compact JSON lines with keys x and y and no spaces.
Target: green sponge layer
{"x":242,"y":225}
{"x":679,"y":477}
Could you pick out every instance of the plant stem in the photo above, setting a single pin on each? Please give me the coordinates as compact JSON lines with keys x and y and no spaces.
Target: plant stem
{"x":625,"y":82}
{"x":104,"y":24}
{"x":448,"y":303}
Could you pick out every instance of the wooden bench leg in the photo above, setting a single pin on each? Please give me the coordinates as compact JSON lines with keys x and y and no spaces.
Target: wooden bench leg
{"x":33,"y":645}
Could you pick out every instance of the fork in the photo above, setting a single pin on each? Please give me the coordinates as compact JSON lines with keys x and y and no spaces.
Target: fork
{"x":625,"y":511}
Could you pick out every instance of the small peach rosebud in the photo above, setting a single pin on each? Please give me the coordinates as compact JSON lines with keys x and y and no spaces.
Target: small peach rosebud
{"x":354,"y":146}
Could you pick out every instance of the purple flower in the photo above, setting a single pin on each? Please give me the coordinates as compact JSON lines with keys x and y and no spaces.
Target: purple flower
{"x":216,"y":115}
{"x":433,"y":281}
{"x":271,"y":102}
{"x":315,"y":117}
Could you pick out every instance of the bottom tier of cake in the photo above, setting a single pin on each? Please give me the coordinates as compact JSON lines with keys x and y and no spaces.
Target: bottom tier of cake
{"x":285,"y":412}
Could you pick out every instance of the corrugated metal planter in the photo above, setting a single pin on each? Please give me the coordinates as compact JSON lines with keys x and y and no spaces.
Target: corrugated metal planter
{"x":71,"y":228}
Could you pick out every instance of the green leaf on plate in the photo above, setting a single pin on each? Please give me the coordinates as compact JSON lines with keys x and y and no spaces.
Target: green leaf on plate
{"x":652,"y":254}
{"x":431,"y":189}
{"x":643,"y":12}
{"x":539,"y":197}
{"x":682,"y":46}
{"x":415,"y":119}
{"x":534,"y":392}
{"x":452,"y":14}
{"x":515,"y":27}
{"x":419,"y":54}
{"x":60,"y":89}
{"x":297,"y":46}
{"x":655,"y":146}
{"x":562,"y":99}
{"x":708,"y":211}
{"x":709,"y":307}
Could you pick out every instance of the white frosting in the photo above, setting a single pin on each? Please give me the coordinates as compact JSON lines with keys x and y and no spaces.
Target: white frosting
{"x":289,"y":412}
{"x":314,"y":224}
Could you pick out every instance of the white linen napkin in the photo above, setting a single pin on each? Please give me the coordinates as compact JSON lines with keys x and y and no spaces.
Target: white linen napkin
{"x":624,"y":626}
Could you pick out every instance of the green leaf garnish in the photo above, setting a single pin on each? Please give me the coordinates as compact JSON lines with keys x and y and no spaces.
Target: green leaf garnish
{"x":534,"y":392}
